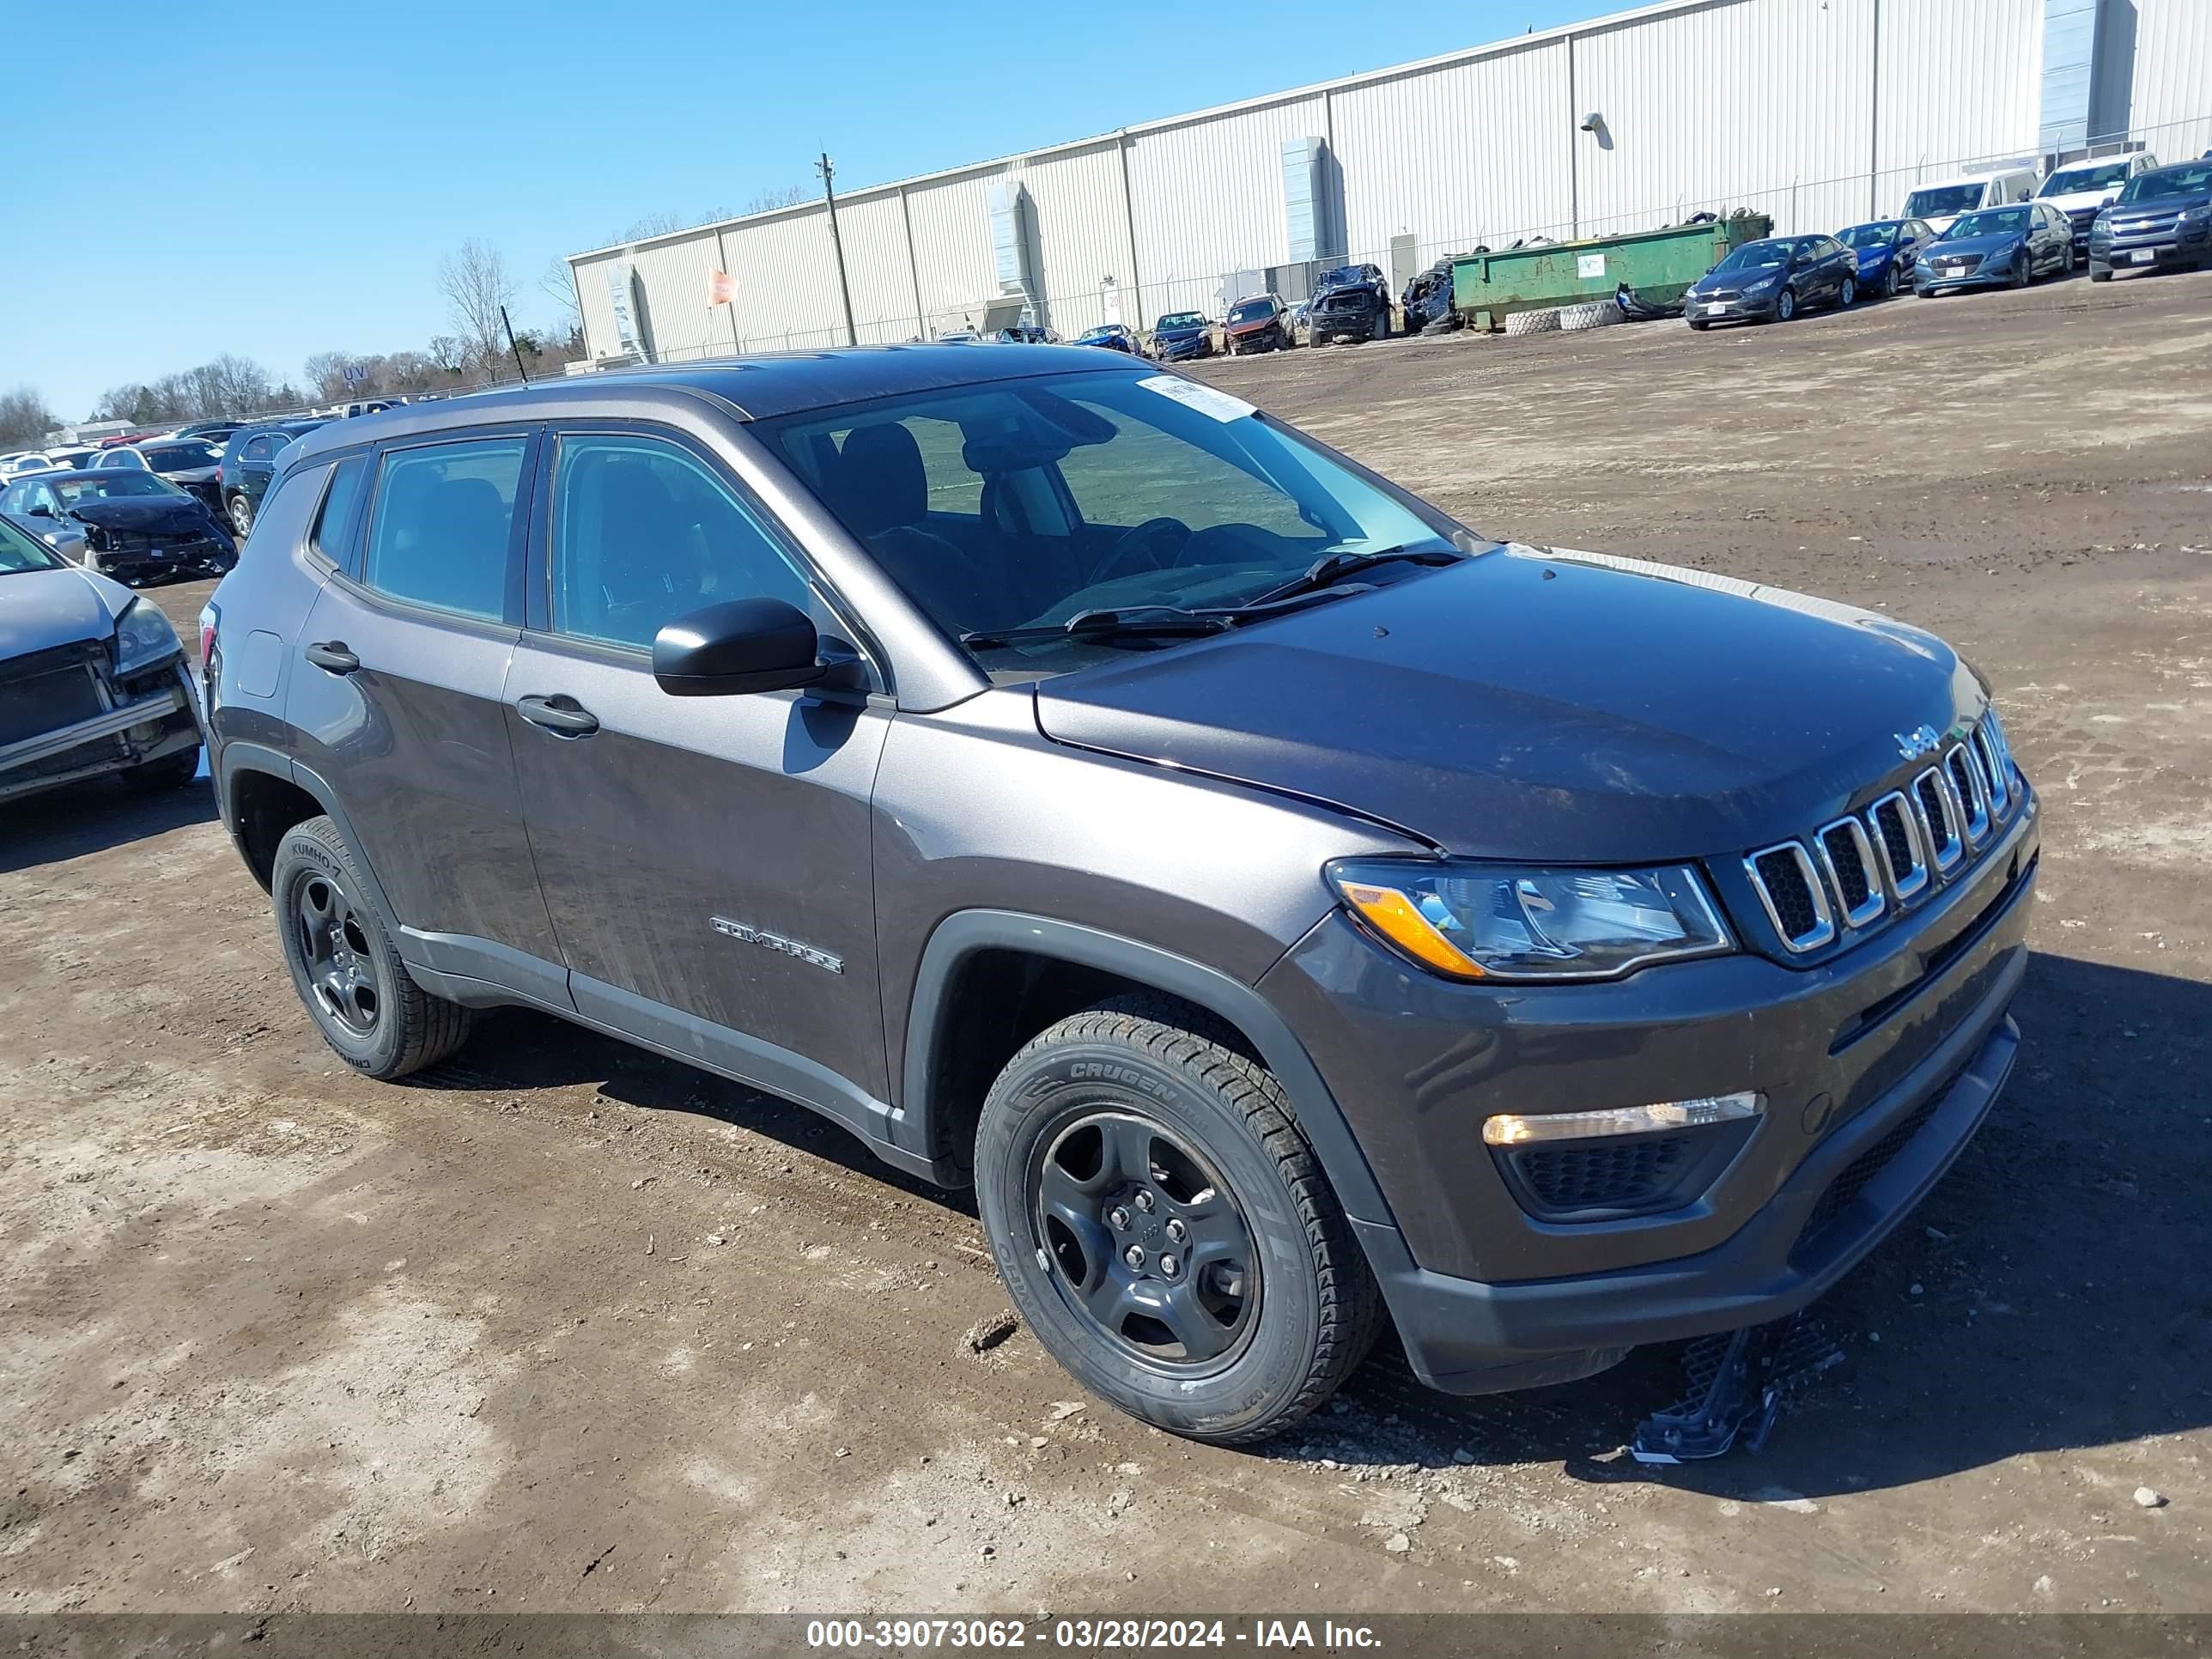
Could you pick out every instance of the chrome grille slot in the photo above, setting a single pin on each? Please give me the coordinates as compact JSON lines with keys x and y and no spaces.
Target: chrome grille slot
{"x":1897,"y":835}
{"x":1993,"y":770}
{"x":1964,"y":774}
{"x":1790,"y":888}
{"x":1848,"y":857}
{"x":1939,"y":819}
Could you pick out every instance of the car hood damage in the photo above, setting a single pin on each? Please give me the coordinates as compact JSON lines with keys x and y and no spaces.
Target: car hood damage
{"x":179,"y":513}
{"x":1542,"y":704}
{"x":42,"y":609}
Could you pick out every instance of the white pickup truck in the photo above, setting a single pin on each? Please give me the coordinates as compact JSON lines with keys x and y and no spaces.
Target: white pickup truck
{"x":2078,"y":189}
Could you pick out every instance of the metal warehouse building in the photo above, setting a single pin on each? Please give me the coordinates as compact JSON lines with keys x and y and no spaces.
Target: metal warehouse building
{"x":1819,"y":113}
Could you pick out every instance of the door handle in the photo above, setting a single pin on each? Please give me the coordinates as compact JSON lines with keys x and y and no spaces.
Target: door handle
{"x":560,"y":714}
{"x":333,"y":656}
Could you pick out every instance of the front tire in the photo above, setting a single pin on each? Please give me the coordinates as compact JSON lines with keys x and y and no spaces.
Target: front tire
{"x":1785,"y":305}
{"x":344,"y":965}
{"x":1889,"y":284}
{"x":1164,"y":1228}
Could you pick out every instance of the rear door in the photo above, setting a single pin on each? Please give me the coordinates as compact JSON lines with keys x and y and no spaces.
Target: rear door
{"x":706,"y":861}
{"x":396,"y":695}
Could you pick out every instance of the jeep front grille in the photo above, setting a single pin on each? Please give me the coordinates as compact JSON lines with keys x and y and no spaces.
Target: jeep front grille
{"x":1852,"y":872}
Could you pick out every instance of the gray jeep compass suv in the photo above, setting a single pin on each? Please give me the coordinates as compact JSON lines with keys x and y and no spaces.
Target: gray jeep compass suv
{"x":1287,"y":907}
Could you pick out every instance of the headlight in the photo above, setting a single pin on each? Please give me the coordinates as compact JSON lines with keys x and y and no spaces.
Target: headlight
{"x":1479,"y":921}
{"x":1761,"y":284}
{"x":2196,"y":216}
{"x":143,"y":638}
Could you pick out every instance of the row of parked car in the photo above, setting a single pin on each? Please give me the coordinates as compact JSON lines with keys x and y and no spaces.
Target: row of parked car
{"x":1994,"y":230}
{"x":175,"y":504}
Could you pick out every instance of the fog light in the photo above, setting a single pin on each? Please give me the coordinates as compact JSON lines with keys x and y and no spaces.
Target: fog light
{"x":1508,"y":1129}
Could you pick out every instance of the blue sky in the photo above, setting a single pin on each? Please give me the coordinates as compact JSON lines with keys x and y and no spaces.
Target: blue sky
{"x":285,"y":178}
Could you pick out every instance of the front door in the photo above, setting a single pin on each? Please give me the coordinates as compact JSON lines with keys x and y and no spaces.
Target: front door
{"x":396,"y":697}
{"x":706,"y":860}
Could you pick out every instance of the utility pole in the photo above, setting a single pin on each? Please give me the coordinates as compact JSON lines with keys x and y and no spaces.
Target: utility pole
{"x":838,"y":247}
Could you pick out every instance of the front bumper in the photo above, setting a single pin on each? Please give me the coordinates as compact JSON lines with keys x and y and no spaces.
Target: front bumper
{"x":1270,"y":339}
{"x":1745,"y":308}
{"x":1926,"y":280}
{"x":205,"y":558}
{"x":2181,"y":246}
{"x":1182,"y":351}
{"x":162,"y":719}
{"x":1890,"y":1054}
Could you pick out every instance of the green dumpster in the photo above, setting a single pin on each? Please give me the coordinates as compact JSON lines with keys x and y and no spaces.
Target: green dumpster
{"x":1658,"y":265}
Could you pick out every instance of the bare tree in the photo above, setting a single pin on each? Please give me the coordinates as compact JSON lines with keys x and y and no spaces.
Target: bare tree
{"x":789,"y":196}
{"x":557,"y":281}
{"x":476,"y":288}
{"x":24,"y":418}
{"x":326,"y":373}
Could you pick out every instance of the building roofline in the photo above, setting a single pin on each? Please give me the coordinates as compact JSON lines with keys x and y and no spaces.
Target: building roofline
{"x":1506,"y":47}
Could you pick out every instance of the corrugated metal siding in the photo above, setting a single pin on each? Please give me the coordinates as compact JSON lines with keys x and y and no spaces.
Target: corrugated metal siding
{"x":1464,"y":154}
{"x":1819,"y":112}
{"x":1960,"y":81}
{"x":1082,"y":230}
{"x":673,"y":276}
{"x":2170,"y":102}
{"x":1750,"y":104}
{"x":598,"y":308}
{"x":1209,"y":199}
{"x":951,"y":219}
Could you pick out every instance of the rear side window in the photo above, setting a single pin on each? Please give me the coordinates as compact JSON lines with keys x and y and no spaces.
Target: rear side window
{"x":261,"y":447}
{"x":336,"y":518}
{"x":442,"y":524}
{"x":644,"y":533}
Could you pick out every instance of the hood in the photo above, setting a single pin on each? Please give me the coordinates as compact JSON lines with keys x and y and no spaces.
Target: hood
{"x":1968,"y":246}
{"x":42,"y":609}
{"x":191,"y":475}
{"x":1542,"y":705}
{"x":2073,"y":200}
{"x":1257,"y":322}
{"x":1747,"y":277}
{"x":2173,"y":202}
{"x":147,"y":513}
{"x":1180,"y":332}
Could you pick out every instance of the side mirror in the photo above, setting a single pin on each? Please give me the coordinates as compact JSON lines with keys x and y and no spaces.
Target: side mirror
{"x":40,"y":511}
{"x":737,"y":647}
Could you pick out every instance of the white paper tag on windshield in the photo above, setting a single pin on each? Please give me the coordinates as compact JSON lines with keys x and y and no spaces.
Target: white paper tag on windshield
{"x":1203,"y":398}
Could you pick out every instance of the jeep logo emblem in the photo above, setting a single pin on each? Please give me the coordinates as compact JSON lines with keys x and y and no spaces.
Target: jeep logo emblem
{"x":1921,"y":740}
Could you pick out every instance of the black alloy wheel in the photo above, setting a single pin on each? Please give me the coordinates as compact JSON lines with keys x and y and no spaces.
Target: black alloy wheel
{"x":334,"y":947}
{"x":1146,"y":1245}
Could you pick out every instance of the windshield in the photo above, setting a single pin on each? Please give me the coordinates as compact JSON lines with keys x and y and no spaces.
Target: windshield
{"x":1997,"y":221}
{"x":72,"y":458}
{"x":19,"y":553}
{"x":2075,"y":181}
{"x":112,"y":486}
{"x":1182,"y":320}
{"x":1246,"y":311}
{"x":1758,"y":256}
{"x":2168,"y":181}
{"x":1874,"y":235}
{"x":180,"y":457}
{"x":1025,"y":502}
{"x":1942,"y":201}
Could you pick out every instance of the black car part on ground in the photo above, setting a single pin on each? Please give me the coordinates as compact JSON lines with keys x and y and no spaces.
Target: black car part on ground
{"x":1427,"y":302}
{"x":1639,"y":310}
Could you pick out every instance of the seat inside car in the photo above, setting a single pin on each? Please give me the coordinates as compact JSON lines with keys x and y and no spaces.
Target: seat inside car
{"x":880,"y":489}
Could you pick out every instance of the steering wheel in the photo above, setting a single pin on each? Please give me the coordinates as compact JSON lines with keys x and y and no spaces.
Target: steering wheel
{"x":1124,"y":550}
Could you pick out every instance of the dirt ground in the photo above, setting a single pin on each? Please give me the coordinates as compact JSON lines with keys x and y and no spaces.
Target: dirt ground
{"x":565,"y":1326}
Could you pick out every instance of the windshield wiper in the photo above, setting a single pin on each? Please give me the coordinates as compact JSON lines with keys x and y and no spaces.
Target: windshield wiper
{"x":1161,"y":621}
{"x":1333,"y":567}
{"x":1144,"y":621}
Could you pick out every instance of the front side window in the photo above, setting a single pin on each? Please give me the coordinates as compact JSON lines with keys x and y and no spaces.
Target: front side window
{"x":645,"y":532}
{"x":1080,"y":492}
{"x":441,"y":523}
{"x":19,"y":553}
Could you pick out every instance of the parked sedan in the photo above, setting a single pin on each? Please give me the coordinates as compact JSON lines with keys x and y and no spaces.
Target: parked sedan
{"x":1181,"y":335}
{"x":1261,"y":323}
{"x":1888,"y":250}
{"x":134,"y":524}
{"x":92,"y":680}
{"x":1113,"y":336}
{"x":1997,"y":247}
{"x":242,"y":475}
{"x":1772,"y":280}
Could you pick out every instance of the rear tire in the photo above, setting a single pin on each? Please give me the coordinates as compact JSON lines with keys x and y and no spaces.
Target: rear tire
{"x":1132,"y":1160}
{"x":241,"y":516}
{"x":344,"y":965}
{"x":1849,"y":295}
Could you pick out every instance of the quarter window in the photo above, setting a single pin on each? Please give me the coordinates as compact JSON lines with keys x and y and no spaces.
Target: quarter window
{"x":442,"y":522}
{"x":336,"y":515}
{"x":644,"y":533}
